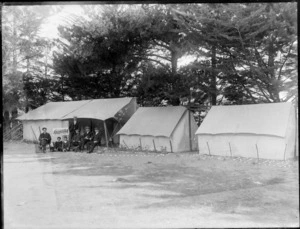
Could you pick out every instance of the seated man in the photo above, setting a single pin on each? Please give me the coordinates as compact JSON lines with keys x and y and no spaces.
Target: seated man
{"x":65,"y":144}
{"x":44,"y":139}
{"x":95,"y":141}
{"x":58,"y":144}
{"x":87,"y":136}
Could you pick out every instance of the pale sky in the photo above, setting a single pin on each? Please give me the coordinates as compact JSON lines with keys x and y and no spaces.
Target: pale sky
{"x":49,"y":30}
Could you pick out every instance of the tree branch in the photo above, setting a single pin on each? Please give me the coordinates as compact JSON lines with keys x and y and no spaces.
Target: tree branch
{"x":280,"y":70}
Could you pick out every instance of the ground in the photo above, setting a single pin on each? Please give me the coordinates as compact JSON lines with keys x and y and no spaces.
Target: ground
{"x":122,"y":189}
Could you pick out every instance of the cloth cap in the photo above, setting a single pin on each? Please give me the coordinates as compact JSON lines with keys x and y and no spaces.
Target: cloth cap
{"x":44,"y":128}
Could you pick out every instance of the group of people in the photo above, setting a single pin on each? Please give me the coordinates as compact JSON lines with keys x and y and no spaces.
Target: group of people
{"x":76,"y":142}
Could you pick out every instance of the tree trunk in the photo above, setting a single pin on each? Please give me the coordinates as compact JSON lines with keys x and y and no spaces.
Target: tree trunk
{"x":174,"y":60}
{"x":274,"y":82}
{"x":213,"y":80}
{"x":14,"y":48}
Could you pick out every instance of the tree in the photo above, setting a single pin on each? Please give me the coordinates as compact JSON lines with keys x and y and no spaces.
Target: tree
{"x":255,"y":45}
{"x":22,"y":50}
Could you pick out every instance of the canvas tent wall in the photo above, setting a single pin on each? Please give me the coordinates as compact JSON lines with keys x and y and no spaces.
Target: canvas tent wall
{"x":160,"y":129}
{"x":260,"y":130}
{"x":89,"y":112}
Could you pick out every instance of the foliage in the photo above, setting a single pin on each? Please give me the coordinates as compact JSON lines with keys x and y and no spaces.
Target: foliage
{"x":244,"y":53}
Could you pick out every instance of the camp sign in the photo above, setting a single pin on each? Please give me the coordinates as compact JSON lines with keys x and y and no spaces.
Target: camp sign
{"x":60,"y":132}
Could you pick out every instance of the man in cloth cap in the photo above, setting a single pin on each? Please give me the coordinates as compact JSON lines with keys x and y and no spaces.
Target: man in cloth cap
{"x":87,"y":136}
{"x":95,"y":141}
{"x":73,"y":126}
{"x":44,"y":139}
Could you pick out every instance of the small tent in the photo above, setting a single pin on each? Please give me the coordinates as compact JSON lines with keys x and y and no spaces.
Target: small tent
{"x":109,"y":114}
{"x":168,"y":129}
{"x":258,"y":131}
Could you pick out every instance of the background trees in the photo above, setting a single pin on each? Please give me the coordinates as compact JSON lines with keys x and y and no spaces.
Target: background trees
{"x":241,"y":53}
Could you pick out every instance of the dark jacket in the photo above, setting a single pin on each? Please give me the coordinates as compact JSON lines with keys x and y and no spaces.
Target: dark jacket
{"x":76,"y":138}
{"x":66,"y":145}
{"x":97,"y":137}
{"x":58,"y":145}
{"x":88,"y":136}
{"x":45,"y":136}
{"x":73,"y":127}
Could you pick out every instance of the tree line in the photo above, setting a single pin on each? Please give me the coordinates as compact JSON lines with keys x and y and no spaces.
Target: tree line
{"x":241,"y":53}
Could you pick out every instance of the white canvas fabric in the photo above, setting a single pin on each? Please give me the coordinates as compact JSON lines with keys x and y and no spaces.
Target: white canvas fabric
{"x":271,"y":119}
{"x":260,"y":131}
{"x":90,"y":112}
{"x":154,"y":121}
{"x":53,"y":110}
{"x":159,"y":129}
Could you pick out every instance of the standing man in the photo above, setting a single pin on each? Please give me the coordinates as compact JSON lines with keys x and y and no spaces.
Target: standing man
{"x":95,"y":141}
{"x":44,"y":139}
{"x":87,"y":136}
{"x":73,"y":126}
{"x":76,"y":140}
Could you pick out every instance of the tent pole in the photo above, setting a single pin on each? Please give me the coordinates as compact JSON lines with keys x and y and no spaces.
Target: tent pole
{"x":141,"y":144}
{"x":208,"y":148}
{"x":284,"y":152}
{"x":190,"y":131}
{"x":230,"y":149}
{"x":257,"y":152}
{"x":106,"y":137}
{"x":171,"y":146}
{"x":154,"y":145}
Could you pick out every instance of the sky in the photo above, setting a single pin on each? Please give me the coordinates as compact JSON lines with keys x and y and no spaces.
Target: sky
{"x":49,"y":29}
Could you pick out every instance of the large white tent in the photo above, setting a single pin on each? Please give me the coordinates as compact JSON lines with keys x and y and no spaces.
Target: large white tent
{"x":110,"y":114}
{"x":258,"y":131}
{"x":169,"y":129}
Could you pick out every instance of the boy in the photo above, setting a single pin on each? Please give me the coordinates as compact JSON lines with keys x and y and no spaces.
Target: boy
{"x":58,"y":144}
{"x":44,"y":139}
{"x":65,"y":144}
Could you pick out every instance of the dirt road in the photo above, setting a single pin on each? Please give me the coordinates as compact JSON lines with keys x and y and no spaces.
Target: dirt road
{"x":134,"y":190}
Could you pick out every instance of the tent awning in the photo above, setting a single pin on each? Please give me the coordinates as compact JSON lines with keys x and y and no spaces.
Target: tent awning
{"x":260,"y":119}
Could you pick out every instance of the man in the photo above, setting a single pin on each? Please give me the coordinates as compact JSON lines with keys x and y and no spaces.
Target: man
{"x":87,"y":136}
{"x":76,"y":140}
{"x":95,"y":141}
{"x":44,"y":139}
{"x":73,"y":126}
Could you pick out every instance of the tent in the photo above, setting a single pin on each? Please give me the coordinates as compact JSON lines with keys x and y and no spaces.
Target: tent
{"x":168,"y":129}
{"x":258,"y":131}
{"x":109,"y":114}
